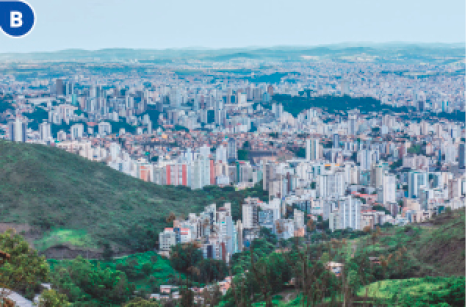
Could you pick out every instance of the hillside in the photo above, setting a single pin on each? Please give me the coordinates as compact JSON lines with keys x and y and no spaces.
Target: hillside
{"x":434,"y":248}
{"x":65,"y":204}
{"x":418,"y":265}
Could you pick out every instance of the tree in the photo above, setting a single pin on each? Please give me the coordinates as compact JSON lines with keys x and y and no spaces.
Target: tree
{"x":268,"y":235}
{"x":187,"y":298}
{"x":140,"y":302}
{"x":147,"y":268}
{"x":108,"y":251}
{"x":154,"y":159}
{"x":243,"y":154}
{"x":84,"y":282}
{"x":21,"y":268}
{"x":211,"y":270}
{"x":185,"y":256}
{"x":212,"y":296}
{"x":51,"y":298}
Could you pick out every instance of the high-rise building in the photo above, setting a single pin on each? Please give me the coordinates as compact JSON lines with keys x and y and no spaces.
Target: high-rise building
{"x":348,"y":214}
{"x":45,"y":131}
{"x":298,"y":216}
{"x":377,"y":173}
{"x":416,"y":180}
{"x":59,"y":87}
{"x":352,"y":124}
{"x":201,"y":173}
{"x":367,"y":157}
{"x":389,"y":188}
{"x":105,"y":128}
{"x":332,"y":185}
{"x":336,"y":140}
{"x":167,"y":239}
{"x":115,"y":150}
{"x":450,"y":153}
{"x":221,"y":154}
{"x":269,"y":175}
{"x":174,"y":97}
{"x":312,"y":149}
{"x":232,"y":150}
{"x":69,"y":88}
{"x":205,"y":151}
{"x":344,"y":87}
{"x":149,"y":128}
{"x":143,"y":170}
{"x":17,"y":130}
{"x":462,"y":155}
{"x":77,"y":131}
{"x":250,"y":217}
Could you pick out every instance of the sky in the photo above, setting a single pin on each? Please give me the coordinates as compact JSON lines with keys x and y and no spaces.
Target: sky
{"x":156,"y":24}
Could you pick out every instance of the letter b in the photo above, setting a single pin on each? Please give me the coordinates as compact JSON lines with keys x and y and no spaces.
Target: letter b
{"x":16,"y":19}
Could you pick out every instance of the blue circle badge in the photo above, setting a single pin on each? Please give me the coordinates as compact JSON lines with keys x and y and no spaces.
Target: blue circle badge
{"x":17,"y":18}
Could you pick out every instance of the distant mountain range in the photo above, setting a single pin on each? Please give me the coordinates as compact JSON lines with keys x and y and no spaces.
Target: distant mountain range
{"x":393,"y":50}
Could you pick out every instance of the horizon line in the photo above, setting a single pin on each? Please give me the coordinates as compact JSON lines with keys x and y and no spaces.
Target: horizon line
{"x":201,"y":48}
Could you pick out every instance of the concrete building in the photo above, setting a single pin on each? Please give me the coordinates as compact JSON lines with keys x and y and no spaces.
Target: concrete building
{"x":17,"y":130}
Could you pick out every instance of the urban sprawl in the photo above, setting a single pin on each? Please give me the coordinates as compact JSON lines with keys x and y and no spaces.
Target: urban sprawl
{"x":398,"y":161}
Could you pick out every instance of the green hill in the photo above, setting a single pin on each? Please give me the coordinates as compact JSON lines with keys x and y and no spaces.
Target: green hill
{"x":417,"y":265}
{"x":434,"y":248}
{"x":66,"y":204}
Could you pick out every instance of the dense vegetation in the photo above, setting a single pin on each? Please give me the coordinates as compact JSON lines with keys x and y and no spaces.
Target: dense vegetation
{"x":74,"y":201}
{"x":91,"y":285}
{"x":427,"y":291}
{"x":395,"y":265}
{"x":415,"y":265}
{"x":336,"y":104}
{"x":188,"y":259}
{"x":119,"y":278}
{"x":272,"y":78}
{"x":243,"y":154}
{"x":332,"y":104}
{"x":5,"y":105}
{"x":21,"y":268}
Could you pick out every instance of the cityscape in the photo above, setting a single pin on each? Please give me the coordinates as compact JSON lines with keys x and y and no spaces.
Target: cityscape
{"x":330,"y":175}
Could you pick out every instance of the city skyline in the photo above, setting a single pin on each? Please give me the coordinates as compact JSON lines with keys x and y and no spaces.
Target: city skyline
{"x":261,"y":153}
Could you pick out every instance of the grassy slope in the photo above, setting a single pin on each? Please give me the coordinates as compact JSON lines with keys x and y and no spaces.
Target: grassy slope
{"x":84,"y":203}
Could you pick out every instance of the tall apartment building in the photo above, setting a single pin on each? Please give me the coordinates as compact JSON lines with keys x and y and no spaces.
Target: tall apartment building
{"x":17,"y":130}
{"x":232,"y":150}
{"x":348,"y":214}
{"x":250,"y":216}
{"x":312,"y":149}
{"x":77,"y":131}
{"x":45,"y":131}
{"x":389,"y":188}
{"x":462,"y":155}
{"x":416,"y":180}
{"x":333,"y":184}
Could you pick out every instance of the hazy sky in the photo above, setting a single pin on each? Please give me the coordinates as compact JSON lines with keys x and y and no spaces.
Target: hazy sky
{"x":155,"y":24}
